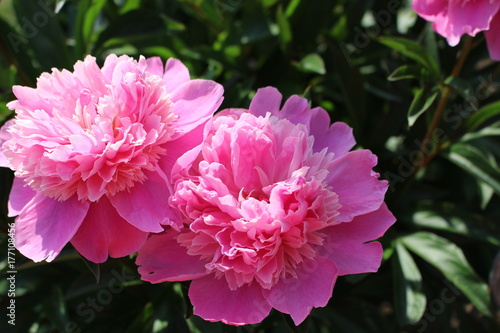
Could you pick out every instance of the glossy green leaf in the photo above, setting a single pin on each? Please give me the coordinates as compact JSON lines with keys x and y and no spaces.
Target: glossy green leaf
{"x":412,"y":50}
{"x":486,"y":113}
{"x":409,"y":297}
{"x":409,"y":72}
{"x":88,"y":11}
{"x":312,"y":63}
{"x":472,"y":160}
{"x":422,"y":101}
{"x":451,"y":262}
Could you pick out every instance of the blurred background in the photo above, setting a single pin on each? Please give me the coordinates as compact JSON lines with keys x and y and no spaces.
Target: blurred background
{"x":429,"y":111}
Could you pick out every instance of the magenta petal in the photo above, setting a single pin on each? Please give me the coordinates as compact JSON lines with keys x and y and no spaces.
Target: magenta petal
{"x":214,"y":301}
{"x":346,"y":245}
{"x":179,"y":146}
{"x":46,"y":225}
{"x":104,"y":232}
{"x":351,"y":177}
{"x":338,"y":137}
{"x":266,"y":100}
{"x":194,"y":102}
{"x":429,"y":9}
{"x":20,"y":195}
{"x":296,"y":109}
{"x":493,"y":37}
{"x":311,"y":289}
{"x":163,"y":259}
{"x":366,"y":227}
{"x":175,"y":74}
{"x":145,"y":205}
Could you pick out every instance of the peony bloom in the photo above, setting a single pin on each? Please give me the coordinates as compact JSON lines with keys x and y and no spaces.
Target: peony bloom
{"x":453,"y":18}
{"x":92,"y":149}
{"x":275,"y":208}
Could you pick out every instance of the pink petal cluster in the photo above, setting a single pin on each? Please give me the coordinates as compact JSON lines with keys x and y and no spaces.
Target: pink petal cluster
{"x":92,"y":150}
{"x":454,"y":18}
{"x":275,"y":208}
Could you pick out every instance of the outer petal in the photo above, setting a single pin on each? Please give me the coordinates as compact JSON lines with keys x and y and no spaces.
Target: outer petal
{"x":338,"y":137}
{"x":296,"y":109}
{"x":266,"y":100}
{"x":175,"y":74}
{"x":430,"y":9}
{"x":46,"y":225}
{"x":493,"y":37}
{"x":359,"y":190}
{"x":20,"y":195}
{"x":194,"y":102}
{"x":155,"y":66}
{"x":214,"y":301}
{"x":105,"y":232}
{"x":163,"y":259}
{"x":146,"y":206}
{"x":345,"y":244}
{"x":312,"y":288}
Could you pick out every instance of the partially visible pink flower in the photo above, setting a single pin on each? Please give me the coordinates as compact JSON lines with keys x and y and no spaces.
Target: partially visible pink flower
{"x":275,"y":209}
{"x":454,"y":18}
{"x":92,"y":150}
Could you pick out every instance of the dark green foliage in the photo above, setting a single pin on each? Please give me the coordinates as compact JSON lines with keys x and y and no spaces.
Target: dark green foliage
{"x":367,"y":63}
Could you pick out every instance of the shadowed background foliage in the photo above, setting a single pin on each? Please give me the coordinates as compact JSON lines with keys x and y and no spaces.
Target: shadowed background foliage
{"x":430,"y":112}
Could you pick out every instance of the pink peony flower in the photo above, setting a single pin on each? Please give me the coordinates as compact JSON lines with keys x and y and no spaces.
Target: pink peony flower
{"x":92,"y":149}
{"x":275,"y":208}
{"x":453,"y":18}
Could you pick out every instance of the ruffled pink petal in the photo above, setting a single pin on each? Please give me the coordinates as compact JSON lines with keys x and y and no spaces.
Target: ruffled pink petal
{"x":345,"y":244}
{"x":338,"y":137}
{"x":296,"y":109}
{"x":429,"y":9}
{"x":311,"y":289}
{"x":46,"y":225}
{"x":163,"y":259}
{"x":20,"y":195}
{"x":266,"y":100}
{"x":358,"y":187}
{"x":214,"y":301}
{"x":175,"y":74}
{"x":493,"y":37}
{"x":104,"y":232}
{"x":195,"y":102}
{"x":145,"y":205}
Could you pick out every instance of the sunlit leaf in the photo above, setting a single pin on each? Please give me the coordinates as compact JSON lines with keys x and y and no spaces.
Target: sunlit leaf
{"x":450,"y":261}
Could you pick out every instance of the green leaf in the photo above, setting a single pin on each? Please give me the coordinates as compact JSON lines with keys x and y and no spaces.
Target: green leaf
{"x":462,"y":223}
{"x":481,"y":116}
{"x":472,"y":160}
{"x":450,"y":260}
{"x":412,"y":50}
{"x":492,"y":130}
{"x":410,"y":300}
{"x":312,"y":63}
{"x":409,"y":72}
{"x":422,"y":101}
{"x":88,"y":11}
{"x":285,"y":32}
